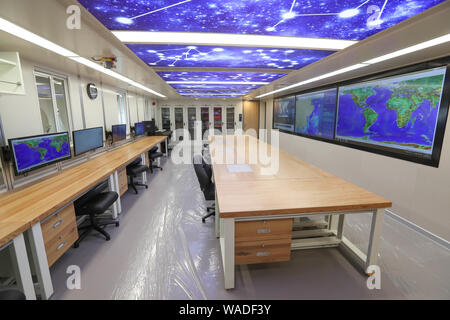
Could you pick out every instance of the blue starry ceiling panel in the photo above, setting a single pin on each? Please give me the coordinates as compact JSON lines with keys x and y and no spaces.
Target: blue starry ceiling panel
{"x":225,"y":57}
{"x":215,"y":93}
{"x":216,"y":86}
{"x":335,"y":19}
{"x":188,"y":76}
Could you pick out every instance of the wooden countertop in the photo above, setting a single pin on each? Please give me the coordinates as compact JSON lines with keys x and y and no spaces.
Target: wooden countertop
{"x":22,"y":208}
{"x":296,"y":187}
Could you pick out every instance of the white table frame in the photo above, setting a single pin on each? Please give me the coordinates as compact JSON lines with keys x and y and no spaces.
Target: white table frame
{"x":225,"y":230}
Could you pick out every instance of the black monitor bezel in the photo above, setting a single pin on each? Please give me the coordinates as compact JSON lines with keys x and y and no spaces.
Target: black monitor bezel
{"x":112,"y":132}
{"x":75,"y":154}
{"x":16,"y":171}
{"x":432,"y":161}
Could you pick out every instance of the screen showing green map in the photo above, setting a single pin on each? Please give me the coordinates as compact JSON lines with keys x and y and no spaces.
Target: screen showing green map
{"x":36,"y":151}
{"x":315,"y":113}
{"x":399,"y":112}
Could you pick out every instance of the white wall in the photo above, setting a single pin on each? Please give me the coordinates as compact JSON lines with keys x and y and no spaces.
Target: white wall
{"x":419,"y":193}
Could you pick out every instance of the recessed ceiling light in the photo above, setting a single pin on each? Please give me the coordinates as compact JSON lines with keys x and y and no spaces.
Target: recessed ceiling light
{"x":219,"y":39}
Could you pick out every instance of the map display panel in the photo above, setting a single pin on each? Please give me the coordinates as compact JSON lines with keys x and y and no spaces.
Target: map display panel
{"x":284,"y":113}
{"x":315,"y":113}
{"x":399,"y":112}
{"x":33,"y":152}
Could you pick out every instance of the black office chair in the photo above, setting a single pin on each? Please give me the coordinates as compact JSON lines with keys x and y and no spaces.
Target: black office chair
{"x":206,"y":185}
{"x":11,"y":294}
{"x":96,"y":201}
{"x":133,"y":169}
{"x":154,"y":154}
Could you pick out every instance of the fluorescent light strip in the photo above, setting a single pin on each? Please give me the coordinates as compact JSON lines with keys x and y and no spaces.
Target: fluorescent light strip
{"x":324,"y":76}
{"x":24,"y":34}
{"x":217,"y":82}
{"x":246,"y":40}
{"x":417,"y":47}
{"x":395,"y":54}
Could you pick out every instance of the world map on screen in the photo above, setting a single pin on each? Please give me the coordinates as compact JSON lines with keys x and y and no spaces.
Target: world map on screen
{"x":315,"y":113}
{"x":37,"y":151}
{"x":399,"y":112}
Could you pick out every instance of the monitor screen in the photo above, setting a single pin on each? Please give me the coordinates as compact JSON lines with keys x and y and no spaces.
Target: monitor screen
{"x":33,"y":152}
{"x":149,"y":126}
{"x":87,"y":139}
{"x":284,"y":113}
{"x":398,"y":113}
{"x":119,"y":132}
{"x":315,"y":113}
{"x":139,"y":128}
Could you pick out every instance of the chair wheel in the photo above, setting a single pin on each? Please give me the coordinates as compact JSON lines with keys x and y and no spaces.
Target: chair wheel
{"x":76,"y":245}
{"x":107,"y":239}
{"x":117,"y":224}
{"x":203,"y":220}
{"x":146,"y":187}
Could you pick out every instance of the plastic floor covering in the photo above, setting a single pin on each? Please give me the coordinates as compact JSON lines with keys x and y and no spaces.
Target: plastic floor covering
{"x":162,"y":250}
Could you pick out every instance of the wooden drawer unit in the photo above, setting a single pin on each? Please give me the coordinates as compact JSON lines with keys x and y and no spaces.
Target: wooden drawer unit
{"x":59,"y":233}
{"x":123,"y":181}
{"x":59,"y":245}
{"x":147,"y":159}
{"x":262,"y":251}
{"x":263,"y":230}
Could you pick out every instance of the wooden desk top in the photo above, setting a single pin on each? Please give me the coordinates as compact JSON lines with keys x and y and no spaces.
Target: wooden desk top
{"x":22,"y":208}
{"x":297,"y":187}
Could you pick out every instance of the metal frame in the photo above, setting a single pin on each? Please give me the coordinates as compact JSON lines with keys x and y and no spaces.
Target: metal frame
{"x":225,"y":230}
{"x":113,"y":183}
{"x":21,"y":266}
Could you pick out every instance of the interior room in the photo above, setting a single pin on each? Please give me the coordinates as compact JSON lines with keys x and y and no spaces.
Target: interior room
{"x":224,"y":150}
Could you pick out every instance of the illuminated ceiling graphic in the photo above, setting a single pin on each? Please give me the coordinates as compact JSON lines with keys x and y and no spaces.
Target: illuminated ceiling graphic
{"x":335,"y":19}
{"x":225,"y":57}
{"x":233,"y":77}
{"x":320,"y":20}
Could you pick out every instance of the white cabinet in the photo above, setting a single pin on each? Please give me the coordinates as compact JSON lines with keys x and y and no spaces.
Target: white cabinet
{"x":11,"y":79}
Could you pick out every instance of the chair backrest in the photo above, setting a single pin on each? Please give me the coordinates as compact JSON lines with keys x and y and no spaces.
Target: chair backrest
{"x":90,"y":194}
{"x":135,"y":162}
{"x":202,"y":176}
{"x":208,"y":168}
{"x":154,"y":149}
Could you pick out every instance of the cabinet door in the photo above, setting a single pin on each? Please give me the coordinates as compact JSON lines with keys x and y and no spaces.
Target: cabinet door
{"x":218,"y":120}
{"x":180,"y":122}
{"x":191,"y":119}
{"x":231,"y":121}
{"x":165,"y":118}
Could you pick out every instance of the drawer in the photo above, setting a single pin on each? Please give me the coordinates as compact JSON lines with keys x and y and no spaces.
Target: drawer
{"x":263,"y":251}
{"x":123,"y":181}
{"x":263,"y":230}
{"x":59,"y":221}
{"x":60,"y":244}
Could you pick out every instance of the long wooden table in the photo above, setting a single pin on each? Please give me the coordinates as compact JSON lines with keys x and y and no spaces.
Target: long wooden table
{"x":22,"y":210}
{"x":246,"y":192}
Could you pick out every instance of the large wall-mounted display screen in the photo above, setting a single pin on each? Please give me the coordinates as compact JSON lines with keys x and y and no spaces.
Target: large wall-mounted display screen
{"x":399,"y":113}
{"x":37,"y":151}
{"x":284,"y":113}
{"x":315,"y":113}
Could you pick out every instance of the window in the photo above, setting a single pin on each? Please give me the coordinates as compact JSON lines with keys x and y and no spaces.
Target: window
{"x":121,"y":104}
{"x":53,"y":102}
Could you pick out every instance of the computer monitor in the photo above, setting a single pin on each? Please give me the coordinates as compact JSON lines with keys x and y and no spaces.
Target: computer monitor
{"x":30,"y":153}
{"x":150,"y":127}
{"x":119,"y":132}
{"x":139,"y":129}
{"x":87,"y":140}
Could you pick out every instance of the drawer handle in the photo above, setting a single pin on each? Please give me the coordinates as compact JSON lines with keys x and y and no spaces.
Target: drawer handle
{"x":61,"y":245}
{"x":264,"y":230}
{"x":263,"y":254}
{"x":57,"y":224}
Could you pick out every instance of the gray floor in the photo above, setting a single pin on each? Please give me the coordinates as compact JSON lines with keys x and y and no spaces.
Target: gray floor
{"x":162,"y":251}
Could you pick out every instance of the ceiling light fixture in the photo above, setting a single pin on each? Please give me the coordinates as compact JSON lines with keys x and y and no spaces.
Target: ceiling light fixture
{"x":218,"y":39}
{"x":217,"y":82}
{"x":26,"y":35}
{"x":395,"y":54}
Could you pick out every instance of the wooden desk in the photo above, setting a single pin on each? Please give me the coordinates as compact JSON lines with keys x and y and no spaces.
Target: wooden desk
{"x":295,"y":189}
{"x":23,"y":209}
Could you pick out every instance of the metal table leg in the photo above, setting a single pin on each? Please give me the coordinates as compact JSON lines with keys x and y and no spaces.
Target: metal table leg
{"x":21,"y":267}
{"x":40,"y":262}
